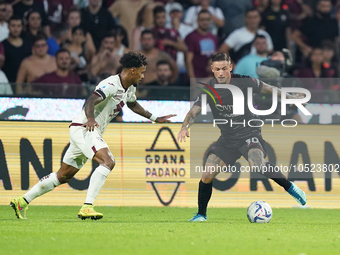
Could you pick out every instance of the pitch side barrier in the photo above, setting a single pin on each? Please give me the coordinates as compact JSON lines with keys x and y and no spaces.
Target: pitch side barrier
{"x":153,"y":169}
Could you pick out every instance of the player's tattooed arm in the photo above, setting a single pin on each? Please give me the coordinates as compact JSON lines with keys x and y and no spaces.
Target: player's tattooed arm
{"x":89,"y":111}
{"x":188,"y":121}
{"x":137,"y":108}
{"x":191,"y":116}
{"x":268,"y":89}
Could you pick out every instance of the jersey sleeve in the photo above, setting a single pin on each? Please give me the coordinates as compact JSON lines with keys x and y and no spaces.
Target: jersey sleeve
{"x":256,"y":84}
{"x":219,"y":14}
{"x":106,"y":89}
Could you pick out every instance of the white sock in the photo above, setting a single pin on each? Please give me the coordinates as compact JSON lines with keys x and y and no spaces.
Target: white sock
{"x":96,"y":183}
{"x":46,"y":184}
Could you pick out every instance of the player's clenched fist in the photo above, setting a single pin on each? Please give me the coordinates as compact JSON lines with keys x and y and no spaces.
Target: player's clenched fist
{"x":182,"y":134}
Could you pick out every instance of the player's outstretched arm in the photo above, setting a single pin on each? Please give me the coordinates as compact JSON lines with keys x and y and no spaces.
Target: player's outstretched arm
{"x":268,"y":89}
{"x":137,"y":108}
{"x":188,"y":121}
{"x":89,"y":111}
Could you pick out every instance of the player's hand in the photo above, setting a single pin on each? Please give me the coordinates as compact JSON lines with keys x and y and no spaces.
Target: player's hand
{"x":90,"y":124}
{"x":165,"y":119}
{"x":182,"y":134}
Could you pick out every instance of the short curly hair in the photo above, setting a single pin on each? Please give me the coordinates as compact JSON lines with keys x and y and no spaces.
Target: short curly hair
{"x":133,"y":59}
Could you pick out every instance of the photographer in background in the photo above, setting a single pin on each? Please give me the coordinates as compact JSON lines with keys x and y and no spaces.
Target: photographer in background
{"x":274,"y":72}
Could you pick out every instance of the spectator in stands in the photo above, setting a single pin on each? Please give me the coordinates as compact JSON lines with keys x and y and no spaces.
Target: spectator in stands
{"x":166,"y":39}
{"x":217,"y":17}
{"x":59,"y":36}
{"x":33,"y":25}
{"x":20,"y":8}
{"x":275,"y":21}
{"x":164,"y":73}
{"x":97,"y":21}
{"x":168,"y":6}
{"x":36,"y":65}
{"x":9,"y":12}
{"x":298,"y":10}
{"x":247,"y":65}
{"x":240,"y":42}
{"x":138,"y":29}
{"x":262,"y":5}
{"x":317,"y":29}
{"x":106,"y":60}
{"x":329,"y":59}
{"x":315,"y":69}
{"x":176,"y":15}
{"x":144,"y":17}
{"x":80,"y":56}
{"x":5,"y":86}
{"x":202,"y":44}
{"x":157,"y":88}
{"x":4,"y":31}
{"x":121,"y":46}
{"x":16,"y":49}
{"x":56,"y":10}
{"x":234,"y":13}
{"x":154,"y":55}
{"x":62,"y":82}
{"x":120,"y":8}
{"x":74,"y":20}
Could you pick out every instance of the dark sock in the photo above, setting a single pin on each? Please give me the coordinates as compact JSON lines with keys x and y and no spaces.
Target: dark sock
{"x":277,"y":177}
{"x":204,"y":195}
{"x":87,"y":204}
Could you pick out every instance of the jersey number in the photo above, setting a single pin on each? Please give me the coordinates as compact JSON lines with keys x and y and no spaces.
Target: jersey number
{"x":252,"y":140}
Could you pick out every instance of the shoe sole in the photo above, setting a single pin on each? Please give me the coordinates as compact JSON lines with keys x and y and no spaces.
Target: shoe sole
{"x":16,"y":211}
{"x":82,"y":217}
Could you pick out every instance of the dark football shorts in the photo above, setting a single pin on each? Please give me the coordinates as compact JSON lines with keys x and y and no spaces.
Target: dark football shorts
{"x":242,"y":146}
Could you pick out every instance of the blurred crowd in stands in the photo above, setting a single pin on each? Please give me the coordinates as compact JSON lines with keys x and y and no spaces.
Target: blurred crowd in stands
{"x":63,"y":48}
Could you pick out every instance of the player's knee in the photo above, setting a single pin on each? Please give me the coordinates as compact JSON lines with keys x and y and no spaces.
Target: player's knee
{"x":64,"y":178}
{"x":256,"y":157}
{"x":207,"y":180}
{"x":110,"y":163}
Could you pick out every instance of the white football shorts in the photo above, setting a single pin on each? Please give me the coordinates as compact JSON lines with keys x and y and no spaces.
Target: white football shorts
{"x":83,"y":145}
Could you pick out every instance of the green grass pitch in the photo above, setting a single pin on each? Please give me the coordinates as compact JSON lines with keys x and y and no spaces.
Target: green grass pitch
{"x":165,"y":230}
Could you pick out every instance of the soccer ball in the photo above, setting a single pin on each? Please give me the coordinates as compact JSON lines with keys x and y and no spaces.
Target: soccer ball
{"x":259,"y":212}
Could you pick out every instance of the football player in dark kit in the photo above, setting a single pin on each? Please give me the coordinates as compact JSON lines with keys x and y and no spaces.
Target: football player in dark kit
{"x":236,"y":140}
